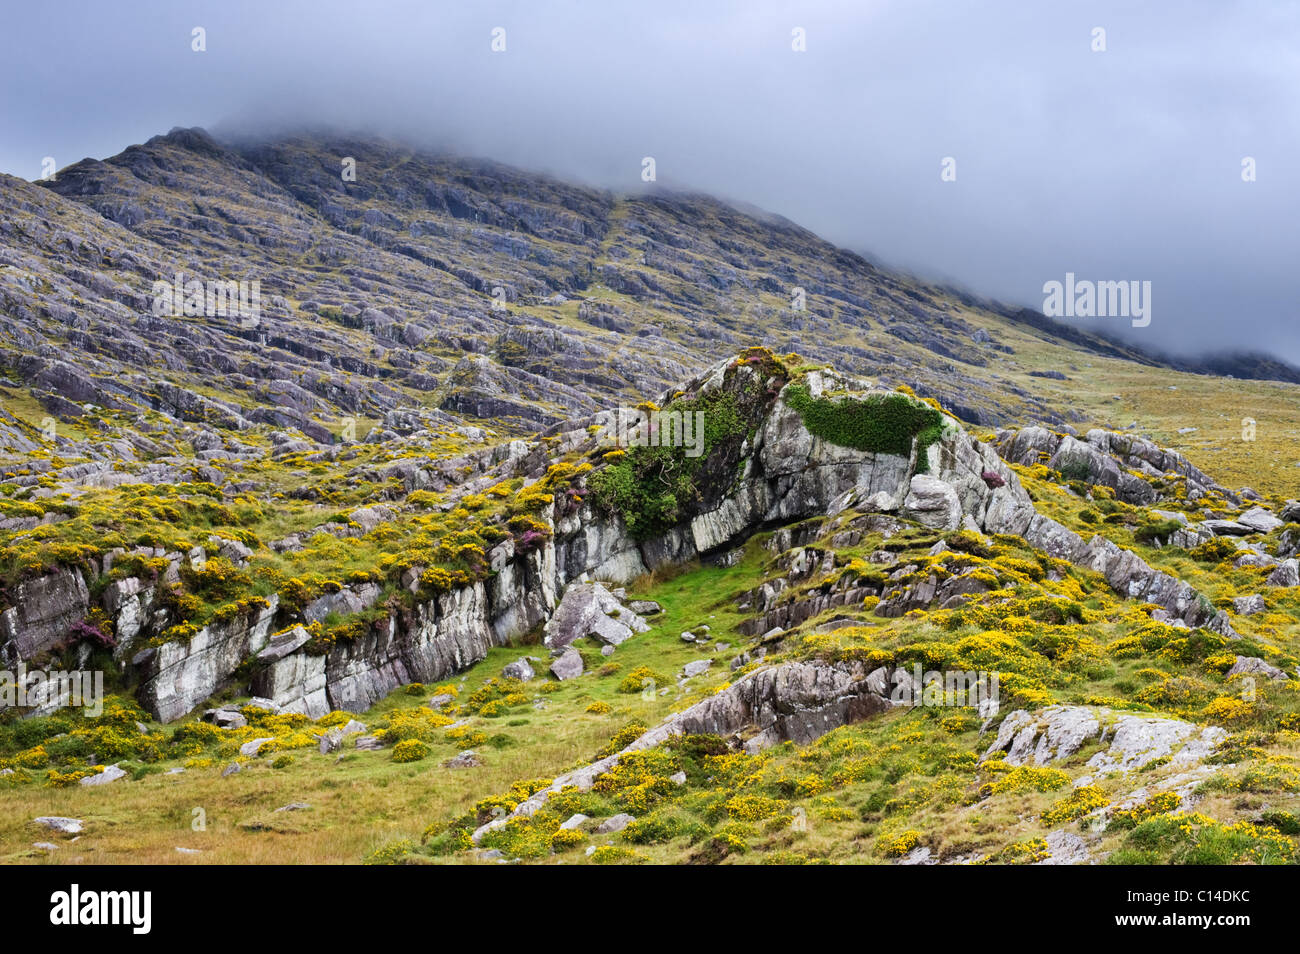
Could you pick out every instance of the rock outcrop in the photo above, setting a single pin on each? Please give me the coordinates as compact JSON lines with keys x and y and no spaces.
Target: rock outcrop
{"x":798,"y":702}
{"x":785,"y":473}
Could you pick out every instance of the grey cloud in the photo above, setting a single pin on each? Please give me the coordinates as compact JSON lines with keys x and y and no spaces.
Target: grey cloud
{"x":1115,"y":165}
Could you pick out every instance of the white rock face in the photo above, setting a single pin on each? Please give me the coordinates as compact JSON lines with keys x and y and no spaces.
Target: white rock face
{"x":1058,"y":732}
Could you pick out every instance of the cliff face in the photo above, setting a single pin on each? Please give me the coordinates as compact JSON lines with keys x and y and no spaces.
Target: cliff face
{"x":780,"y":472}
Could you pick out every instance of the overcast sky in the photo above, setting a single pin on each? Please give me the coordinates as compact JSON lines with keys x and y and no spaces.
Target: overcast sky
{"x":1117,"y":165}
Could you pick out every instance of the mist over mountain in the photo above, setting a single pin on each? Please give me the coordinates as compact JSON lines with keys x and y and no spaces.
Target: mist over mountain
{"x":1122,"y":164}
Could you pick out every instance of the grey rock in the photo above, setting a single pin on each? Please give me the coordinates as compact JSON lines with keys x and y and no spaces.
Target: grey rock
{"x":1286,"y":574}
{"x":111,"y":773}
{"x":568,"y":665}
{"x":1257,"y":518}
{"x":61,"y":824}
{"x":253,"y":746}
{"x":615,"y":823}
{"x":1254,"y":666}
{"x":519,"y":669}
{"x":1248,"y":605}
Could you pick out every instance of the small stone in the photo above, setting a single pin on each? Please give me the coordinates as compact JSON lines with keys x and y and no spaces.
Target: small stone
{"x":678,"y":779}
{"x":294,"y":807}
{"x":440,"y":700}
{"x":573,"y":821}
{"x":466,"y":759}
{"x":368,"y":743}
{"x":231,"y":769}
{"x":692,"y":669}
{"x":187,"y":851}
{"x":45,"y":846}
{"x":688,"y":637}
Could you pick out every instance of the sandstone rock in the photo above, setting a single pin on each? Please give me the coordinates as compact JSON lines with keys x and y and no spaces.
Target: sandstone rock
{"x":568,"y":665}
{"x":253,"y":746}
{"x":1057,"y":732}
{"x":615,"y":823}
{"x":1254,"y":666}
{"x":1248,"y":605}
{"x":933,"y":503}
{"x":1066,"y":848}
{"x":42,"y":612}
{"x":368,"y":743}
{"x":519,"y":669}
{"x":692,"y":669}
{"x":588,"y":609}
{"x":1259,"y":519}
{"x":1286,"y":574}
{"x":111,"y":773}
{"x":227,"y":717}
{"x":464,"y":760}
{"x":61,"y":824}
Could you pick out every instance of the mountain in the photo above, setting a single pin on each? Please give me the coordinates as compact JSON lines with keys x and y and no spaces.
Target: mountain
{"x":523,"y":521}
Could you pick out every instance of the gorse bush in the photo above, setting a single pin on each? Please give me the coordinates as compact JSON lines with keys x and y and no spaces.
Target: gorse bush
{"x":878,"y":423}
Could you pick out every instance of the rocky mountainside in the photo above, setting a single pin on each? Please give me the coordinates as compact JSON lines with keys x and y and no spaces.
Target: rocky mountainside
{"x":377,"y":295}
{"x":382,"y":571}
{"x":867,"y":535}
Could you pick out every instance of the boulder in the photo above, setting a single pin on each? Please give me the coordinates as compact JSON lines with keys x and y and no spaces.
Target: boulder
{"x":1259,"y":519}
{"x":1286,"y":574}
{"x":568,"y":665}
{"x":60,"y":823}
{"x":111,"y":773}
{"x":253,"y":746}
{"x":933,"y":503}
{"x":1058,"y":732}
{"x":519,"y":669}
{"x":1254,"y":666}
{"x":588,"y":609}
{"x":1248,"y":605}
{"x":615,"y":823}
